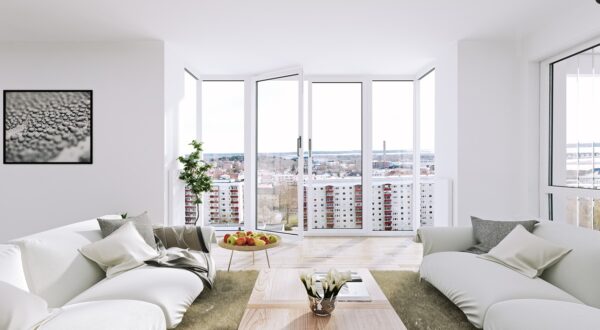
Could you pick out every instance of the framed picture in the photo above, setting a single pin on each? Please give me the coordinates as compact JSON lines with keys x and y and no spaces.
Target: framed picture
{"x":48,"y":126}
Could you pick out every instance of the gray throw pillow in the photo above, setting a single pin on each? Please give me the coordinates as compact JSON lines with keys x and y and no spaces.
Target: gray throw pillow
{"x":142,"y":224}
{"x":488,"y":233}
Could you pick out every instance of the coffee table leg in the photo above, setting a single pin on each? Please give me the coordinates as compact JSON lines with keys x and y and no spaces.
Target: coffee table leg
{"x":253,"y":257}
{"x":230,"y":257}
{"x":268,"y":263}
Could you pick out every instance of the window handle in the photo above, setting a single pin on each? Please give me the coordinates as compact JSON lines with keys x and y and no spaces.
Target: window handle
{"x":309,"y":147}
{"x":298,"y":146}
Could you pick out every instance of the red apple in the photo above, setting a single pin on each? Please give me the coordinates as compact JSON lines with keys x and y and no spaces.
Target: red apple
{"x":265,"y":239}
{"x":226,"y":237}
{"x":249,"y":233}
{"x":250,"y":241}
{"x":240,"y":241}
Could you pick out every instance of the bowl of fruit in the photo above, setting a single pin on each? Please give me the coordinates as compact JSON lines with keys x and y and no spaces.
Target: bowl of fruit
{"x":249,"y":241}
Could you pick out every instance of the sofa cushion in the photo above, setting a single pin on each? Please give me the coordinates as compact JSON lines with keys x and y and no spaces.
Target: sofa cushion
{"x":173,"y":290}
{"x":20,"y":309}
{"x":122,"y":250}
{"x":54,"y":268}
{"x":107,"y":314}
{"x":537,"y":314}
{"x":142,"y":224}
{"x":488,"y":233}
{"x":12,"y":266}
{"x":474,"y":284}
{"x":576,"y":273}
{"x":526,"y":253}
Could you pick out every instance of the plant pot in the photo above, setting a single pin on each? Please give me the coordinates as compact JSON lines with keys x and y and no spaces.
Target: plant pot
{"x":321,"y":307}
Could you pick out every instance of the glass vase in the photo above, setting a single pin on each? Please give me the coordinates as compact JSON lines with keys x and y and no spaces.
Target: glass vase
{"x":321,"y":307}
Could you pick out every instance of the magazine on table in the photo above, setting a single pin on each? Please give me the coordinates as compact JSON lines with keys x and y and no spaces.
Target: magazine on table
{"x":353,"y":290}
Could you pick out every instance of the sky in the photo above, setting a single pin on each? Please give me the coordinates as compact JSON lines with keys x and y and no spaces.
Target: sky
{"x":336,"y":115}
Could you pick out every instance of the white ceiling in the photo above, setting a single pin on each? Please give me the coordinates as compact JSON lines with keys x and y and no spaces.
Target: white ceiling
{"x":250,"y":36}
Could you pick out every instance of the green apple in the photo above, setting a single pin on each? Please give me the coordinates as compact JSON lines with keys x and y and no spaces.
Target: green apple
{"x":231,"y":240}
{"x":272,"y":239}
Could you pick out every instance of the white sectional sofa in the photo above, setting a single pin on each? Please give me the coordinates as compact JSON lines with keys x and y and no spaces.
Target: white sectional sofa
{"x":492,"y":296}
{"x":79,"y":295}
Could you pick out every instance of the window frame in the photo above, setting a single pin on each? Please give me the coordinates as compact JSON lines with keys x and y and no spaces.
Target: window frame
{"x":367,"y":155}
{"x":548,"y":192}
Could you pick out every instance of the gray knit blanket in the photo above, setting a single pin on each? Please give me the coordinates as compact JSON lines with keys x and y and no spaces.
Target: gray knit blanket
{"x":184,"y":247}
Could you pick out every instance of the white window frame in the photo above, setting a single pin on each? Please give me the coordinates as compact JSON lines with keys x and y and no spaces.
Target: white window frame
{"x":549,"y":192}
{"x":367,"y":155}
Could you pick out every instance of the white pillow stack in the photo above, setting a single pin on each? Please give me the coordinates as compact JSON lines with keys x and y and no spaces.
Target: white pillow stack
{"x":120,"y":251}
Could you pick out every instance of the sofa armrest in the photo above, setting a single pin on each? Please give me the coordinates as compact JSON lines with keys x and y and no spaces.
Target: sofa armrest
{"x":439,"y":239}
{"x":208,"y":235}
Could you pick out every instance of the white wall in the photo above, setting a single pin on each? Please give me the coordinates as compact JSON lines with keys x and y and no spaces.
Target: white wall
{"x":174,"y":91}
{"x":128,"y":127}
{"x":446,"y":123}
{"x":490,"y":126}
{"x":485,"y":142}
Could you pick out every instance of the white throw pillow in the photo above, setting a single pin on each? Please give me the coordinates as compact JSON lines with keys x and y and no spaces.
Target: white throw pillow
{"x":526,"y":253}
{"x":120,"y":251}
{"x":11,"y":267}
{"x":20,"y":309}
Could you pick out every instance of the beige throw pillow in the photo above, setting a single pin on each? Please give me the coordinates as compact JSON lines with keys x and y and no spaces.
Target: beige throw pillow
{"x":526,"y":253}
{"x":120,"y":251}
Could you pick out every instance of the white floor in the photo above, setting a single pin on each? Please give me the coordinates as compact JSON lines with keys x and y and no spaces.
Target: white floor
{"x":382,"y":253}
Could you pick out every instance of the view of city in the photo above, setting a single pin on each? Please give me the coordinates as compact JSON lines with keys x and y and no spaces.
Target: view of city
{"x":333,"y":200}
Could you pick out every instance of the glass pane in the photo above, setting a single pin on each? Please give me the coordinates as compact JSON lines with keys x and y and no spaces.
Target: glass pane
{"x":577,"y":211}
{"x":187,"y":133}
{"x":596,"y":214}
{"x":427,"y":146}
{"x":427,"y":188}
{"x":427,"y":126}
{"x":392,"y":155}
{"x":336,"y":149}
{"x":277,"y":161}
{"x":586,"y":212}
{"x":575,"y":112}
{"x":223,"y":137}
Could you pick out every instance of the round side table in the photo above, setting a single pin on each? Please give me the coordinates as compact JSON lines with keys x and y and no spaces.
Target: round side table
{"x":249,"y":248}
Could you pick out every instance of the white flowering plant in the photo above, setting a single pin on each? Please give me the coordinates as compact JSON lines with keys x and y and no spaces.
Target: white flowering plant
{"x":330,"y":285}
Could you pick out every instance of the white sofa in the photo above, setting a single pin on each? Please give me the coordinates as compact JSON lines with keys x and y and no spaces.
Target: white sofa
{"x":79,"y":294}
{"x":492,"y":296}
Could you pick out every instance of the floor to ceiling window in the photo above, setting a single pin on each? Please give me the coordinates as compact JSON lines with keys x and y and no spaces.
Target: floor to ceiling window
{"x":427,"y":147}
{"x":335,"y":186}
{"x":393,"y":155}
{"x":573,"y":166}
{"x":308,"y":176}
{"x":277,"y":155}
{"x":223,"y":105}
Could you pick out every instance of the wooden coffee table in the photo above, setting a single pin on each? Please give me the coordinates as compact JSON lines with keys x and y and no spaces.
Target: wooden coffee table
{"x":279,"y":301}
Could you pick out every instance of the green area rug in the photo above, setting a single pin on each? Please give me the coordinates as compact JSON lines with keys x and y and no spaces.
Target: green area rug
{"x":419,"y":305}
{"x":224,"y":305}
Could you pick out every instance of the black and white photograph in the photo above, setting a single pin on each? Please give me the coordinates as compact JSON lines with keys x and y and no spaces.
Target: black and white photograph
{"x":47,"y":127}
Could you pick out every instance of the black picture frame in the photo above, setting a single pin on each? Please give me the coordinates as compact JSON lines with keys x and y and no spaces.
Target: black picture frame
{"x":79,"y":126}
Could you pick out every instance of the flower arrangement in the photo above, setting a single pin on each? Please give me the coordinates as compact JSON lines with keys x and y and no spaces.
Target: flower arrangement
{"x":322,"y":297}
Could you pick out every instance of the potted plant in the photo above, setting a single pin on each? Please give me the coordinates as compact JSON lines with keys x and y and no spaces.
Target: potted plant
{"x":194,"y":174}
{"x":322,"y":293}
